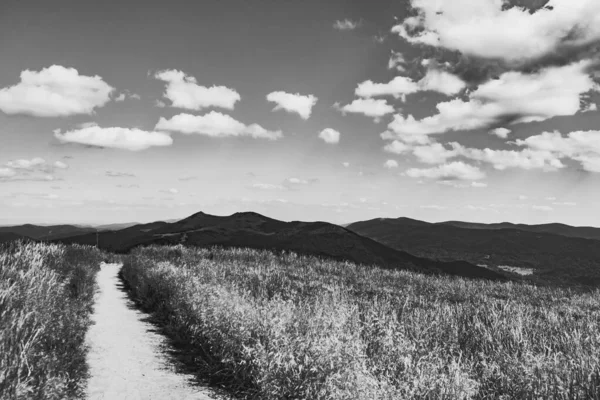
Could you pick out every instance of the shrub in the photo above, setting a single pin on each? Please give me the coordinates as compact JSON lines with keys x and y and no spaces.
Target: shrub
{"x":46,"y":297}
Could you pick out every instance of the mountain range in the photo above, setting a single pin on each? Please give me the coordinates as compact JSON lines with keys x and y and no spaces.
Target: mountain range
{"x":544,"y":254}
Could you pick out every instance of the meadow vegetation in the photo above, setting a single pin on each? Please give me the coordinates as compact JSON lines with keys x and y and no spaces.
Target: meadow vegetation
{"x":285,"y":326}
{"x":46,"y":298}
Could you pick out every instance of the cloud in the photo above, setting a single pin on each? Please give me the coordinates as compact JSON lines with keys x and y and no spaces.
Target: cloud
{"x":516,"y":36}
{"x":297,"y":181}
{"x":293,"y":103}
{"x":346,"y":164}
{"x":434,"y":80}
{"x":453,"y":171}
{"x":267,"y":186}
{"x":397,"y":147}
{"x":514,"y":97}
{"x":581,"y":146}
{"x":127,"y":95}
{"x":434,"y":207}
{"x":330,"y":136}
{"x":501,"y":132}
{"x":7,"y":172}
{"x":184,"y":92}
{"x":55,"y":91}
{"x":346,"y":25}
{"x":434,"y":153}
{"x":188,"y":178}
{"x":522,"y":197}
{"x":542,"y":208}
{"x":60,"y":165}
{"x":369,"y":107}
{"x":565,"y":203}
{"x":214,"y":124}
{"x":27,"y":164}
{"x":397,"y":61}
{"x":389,"y":164}
{"x":116,"y":174}
{"x":117,"y":138}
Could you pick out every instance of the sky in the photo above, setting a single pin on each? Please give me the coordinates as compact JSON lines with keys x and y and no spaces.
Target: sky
{"x":135,"y":111}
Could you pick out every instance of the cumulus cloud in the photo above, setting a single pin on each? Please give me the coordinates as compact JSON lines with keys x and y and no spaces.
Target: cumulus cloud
{"x":397,"y":147}
{"x":330,"y":136}
{"x":55,"y":91}
{"x":117,"y":174}
{"x":293,"y":103}
{"x":516,"y":36}
{"x":184,"y":92}
{"x":346,"y":25}
{"x":434,"y":80}
{"x":581,"y":146}
{"x":346,"y":164}
{"x":389,"y":164}
{"x":453,"y":171}
{"x":7,"y":172}
{"x":132,"y":139}
{"x":514,"y":97}
{"x":214,"y":124}
{"x":127,"y":95}
{"x":370,"y":107}
{"x":500,"y":132}
{"x":434,"y":153}
{"x":267,"y":186}
{"x":397,"y":61}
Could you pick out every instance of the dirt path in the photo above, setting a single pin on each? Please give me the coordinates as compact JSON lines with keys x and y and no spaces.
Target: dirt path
{"x":127,"y":357}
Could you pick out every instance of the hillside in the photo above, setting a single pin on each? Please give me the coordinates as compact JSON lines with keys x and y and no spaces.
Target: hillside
{"x":553,"y":258}
{"x":584,"y":232}
{"x":51,"y":232}
{"x":257,"y":231}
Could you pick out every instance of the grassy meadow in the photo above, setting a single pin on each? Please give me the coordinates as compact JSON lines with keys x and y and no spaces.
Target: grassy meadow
{"x":46,"y":298}
{"x":284,"y":326}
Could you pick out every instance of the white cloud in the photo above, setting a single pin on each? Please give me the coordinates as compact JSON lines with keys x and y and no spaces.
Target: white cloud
{"x":503,"y":159}
{"x":401,"y":86}
{"x":369,"y":107}
{"x":118,"y":138}
{"x":127,"y":95}
{"x":330,"y":136}
{"x":434,"y":207}
{"x":434,"y":153}
{"x":397,"y":61}
{"x":455,"y":170}
{"x":184,"y":92}
{"x":488,"y":29}
{"x":397,"y":147}
{"x":581,"y":146}
{"x":60,"y":165}
{"x":398,"y":87}
{"x":501,"y":132}
{"x":542,"y":208}
{"x":7,"y":172}
{"x":442,"y":82}
{"x":173,"y":191}
{"x":55,"y":91}
{"x":297,"y":181}
{"x":294,"y":103}
{"x":391,"y":164}
{"x":346,"y":25}
{"x":27,"y":164}
{"x":267,"y":186}
{"x":514,"y":96}
{"x":214,"y":124}
{"x":522,"y":197}
{"x":590,"y":108}
{"x":565,"y":203}
{"x":346,"y":164}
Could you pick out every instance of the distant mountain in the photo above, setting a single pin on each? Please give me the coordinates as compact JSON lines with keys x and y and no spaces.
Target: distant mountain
{"x":6,"y":237}
{"x":585,"y":232}
{"x":257,"y":231}
{"x":46,"y":232}
{"x":553,"y":258}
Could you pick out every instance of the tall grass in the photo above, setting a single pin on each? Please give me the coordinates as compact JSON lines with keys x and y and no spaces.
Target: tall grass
{"x":293,"y":327}
{"x":46,"y":296}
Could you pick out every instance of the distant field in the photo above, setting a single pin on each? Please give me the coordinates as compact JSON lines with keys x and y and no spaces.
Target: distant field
{"x":283,"y":326}
{"x":46,"y":295}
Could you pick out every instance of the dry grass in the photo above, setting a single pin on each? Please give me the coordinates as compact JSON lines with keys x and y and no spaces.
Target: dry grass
{"x":46,"y":295}
{"x":292,"y":327}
